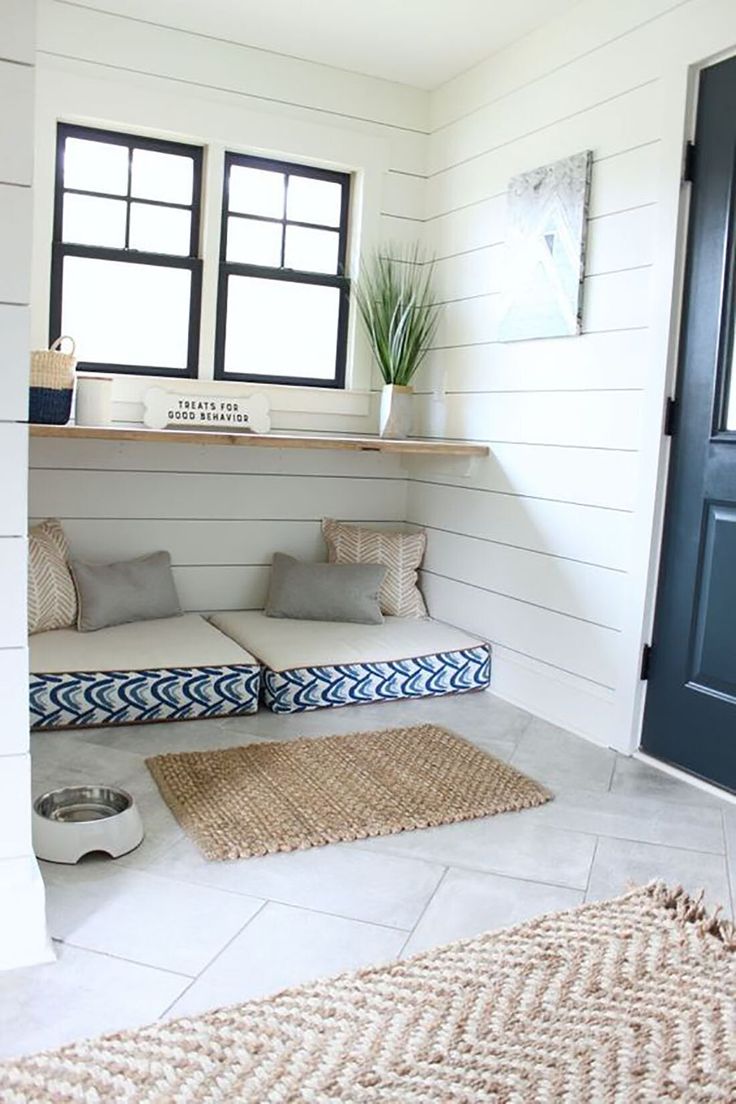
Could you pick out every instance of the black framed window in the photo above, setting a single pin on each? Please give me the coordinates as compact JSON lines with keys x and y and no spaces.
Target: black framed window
{"x":283,"y":299}
{"x":126,"y":278}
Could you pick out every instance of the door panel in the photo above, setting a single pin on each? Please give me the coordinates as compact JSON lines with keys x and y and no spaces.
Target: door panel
{"x":690,"y":714}
{"x":714,"y":642}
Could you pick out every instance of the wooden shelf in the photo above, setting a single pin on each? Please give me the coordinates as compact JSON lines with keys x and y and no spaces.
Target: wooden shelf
{"x":406,"y":446}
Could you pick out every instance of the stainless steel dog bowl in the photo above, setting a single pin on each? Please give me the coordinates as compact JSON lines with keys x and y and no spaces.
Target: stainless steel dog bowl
{"x":76,"y":820}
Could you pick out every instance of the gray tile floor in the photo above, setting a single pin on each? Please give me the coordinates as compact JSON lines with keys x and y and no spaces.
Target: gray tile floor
{"x":161,"y":932}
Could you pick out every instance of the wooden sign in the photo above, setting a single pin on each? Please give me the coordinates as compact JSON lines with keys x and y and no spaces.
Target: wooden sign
{"x":174,"y":408}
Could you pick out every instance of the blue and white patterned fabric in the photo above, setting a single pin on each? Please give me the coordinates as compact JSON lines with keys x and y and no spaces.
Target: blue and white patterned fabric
{"x":302,"y":688}
{"x":91,"y":698}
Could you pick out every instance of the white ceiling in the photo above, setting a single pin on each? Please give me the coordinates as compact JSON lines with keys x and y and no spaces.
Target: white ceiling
{"x":418,"y":42}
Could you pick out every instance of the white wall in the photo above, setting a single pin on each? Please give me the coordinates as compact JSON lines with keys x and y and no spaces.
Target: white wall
{"x":120,"y":72}
{"x":546,"y":549}
{"x":22,"y":920}
{"x":221,"y":511}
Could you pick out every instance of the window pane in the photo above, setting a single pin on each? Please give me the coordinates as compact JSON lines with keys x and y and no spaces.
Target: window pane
{"x":95,"y":166}
{"x":256,"y":191}
{"x":311,"y":250}
{"x":126,"y":313}
{"x":314,"y":201}
{"x":159,"y":229}
{"x":278,"y":328}
{"x":165,"y":176}
{"x":92,"y":221}
{"x":253,"y":242}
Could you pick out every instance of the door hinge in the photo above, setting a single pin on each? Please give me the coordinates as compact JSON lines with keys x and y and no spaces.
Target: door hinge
{"x":670,"y":415}
{"x":646,"y":659}
{"x":688,"y":169}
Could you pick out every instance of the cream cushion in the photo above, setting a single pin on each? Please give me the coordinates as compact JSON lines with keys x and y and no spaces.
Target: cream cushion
{"x":401,"y":553}
{"x":52,"y":599}
{"x":187,"y":641}
{"x":283,"y":645}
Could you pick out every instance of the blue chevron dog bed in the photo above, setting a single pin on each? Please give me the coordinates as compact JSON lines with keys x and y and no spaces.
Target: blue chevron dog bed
{"x":317,"y":664}
{"x":174,"y":669}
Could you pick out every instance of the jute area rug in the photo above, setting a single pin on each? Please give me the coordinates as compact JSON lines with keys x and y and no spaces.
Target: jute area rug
{"x":267,"y":797}
{"x":630,"y":1001}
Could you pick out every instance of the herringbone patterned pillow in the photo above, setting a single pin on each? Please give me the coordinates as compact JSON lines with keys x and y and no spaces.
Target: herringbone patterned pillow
{"x":52,"y":599}
{"x":401,"y":554}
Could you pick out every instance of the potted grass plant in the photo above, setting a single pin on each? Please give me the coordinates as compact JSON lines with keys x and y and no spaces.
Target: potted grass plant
{"x":396,"y":301}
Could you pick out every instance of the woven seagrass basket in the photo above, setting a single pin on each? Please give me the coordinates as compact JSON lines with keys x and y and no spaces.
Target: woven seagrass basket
{"x":52,"y":384}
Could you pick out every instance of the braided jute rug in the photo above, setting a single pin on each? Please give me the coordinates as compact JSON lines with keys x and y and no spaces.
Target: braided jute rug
{"x":289,"y":795}
{"x":630,"y":1001}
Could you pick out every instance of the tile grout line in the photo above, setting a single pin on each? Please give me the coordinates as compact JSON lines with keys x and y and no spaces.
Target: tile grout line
{"x":569,"y":831}
{"x":211,"y":962}
{"x":590,"y":869}
{"x":122,"y":958}
{"x":422,"y":914}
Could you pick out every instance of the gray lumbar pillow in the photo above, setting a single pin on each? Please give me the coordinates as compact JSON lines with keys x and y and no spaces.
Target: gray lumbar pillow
{"x":325,"y":592}
{"x":134,"y":590}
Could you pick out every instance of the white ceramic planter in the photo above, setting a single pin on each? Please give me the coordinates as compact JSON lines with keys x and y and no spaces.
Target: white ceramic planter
{"x":397,"y":408}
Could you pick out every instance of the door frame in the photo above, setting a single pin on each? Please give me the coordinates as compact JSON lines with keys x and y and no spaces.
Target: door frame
{"x":680,"y":87}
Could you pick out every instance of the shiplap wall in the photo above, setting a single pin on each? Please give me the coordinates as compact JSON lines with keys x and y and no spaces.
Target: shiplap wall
{"x":22,"y":920}
{"x":221,"y":512}
{"x":546,"y":549}
{"x":118,"y":71}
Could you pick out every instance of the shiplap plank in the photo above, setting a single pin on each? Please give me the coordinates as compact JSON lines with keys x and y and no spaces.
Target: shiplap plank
{"x":621,"y":241}
{"x":19,"y":30}
{"x":15,"y":789}
{"x":400,"y":232}
{"x":193,"y":495}
{"x":589,"y":593}
{"x":594,"y":361}
{"x":585,"y":419}
{"x":206,"y":589}
{"x":13,"y":570}
{"x":402,"y":195}
{"x":16,"y":119}
{"x":593,"y":477}
{"x":15,"y":243}
{"x":582,"y":649}
{"x":13,"y":489}
{"x":13,"y":683}
{"x":623,"y":180}
{"x":594,"y":79}
{"x":582,"y":30}
{"x":565,"y":700}
{"x":595,"y":536}
{"x":193,"y":542}
{"x":15,"y":343}
{"x":608,"y":128}
{"x":119,"y":42}
{"x":614,"y":301}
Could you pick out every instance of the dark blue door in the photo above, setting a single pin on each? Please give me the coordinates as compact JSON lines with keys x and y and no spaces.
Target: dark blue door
{"x":690,"y":715}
